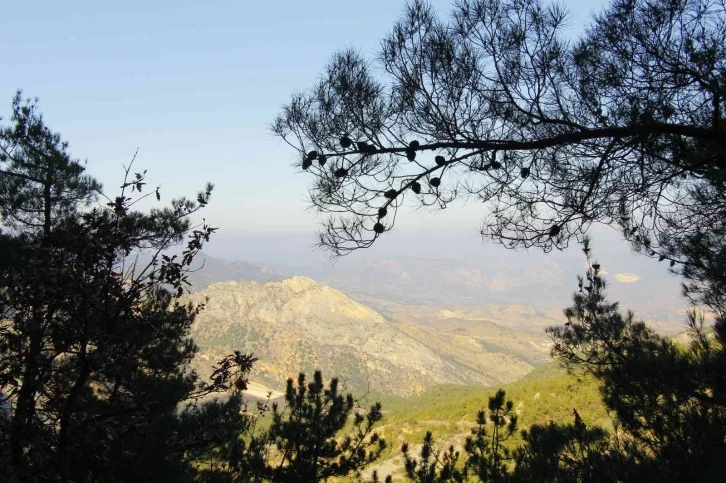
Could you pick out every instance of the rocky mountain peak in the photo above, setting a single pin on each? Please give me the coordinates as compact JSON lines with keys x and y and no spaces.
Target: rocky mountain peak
{"x":299,"y":283}
{"x":298,"y":324}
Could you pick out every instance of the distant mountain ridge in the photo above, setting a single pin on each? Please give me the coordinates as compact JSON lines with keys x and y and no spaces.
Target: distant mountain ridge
{"x":415,"y":280}
{"x":404,"y":324}
{"x":298,"y":324}
{"x":511,"y":278}
{"x":207,"y":270}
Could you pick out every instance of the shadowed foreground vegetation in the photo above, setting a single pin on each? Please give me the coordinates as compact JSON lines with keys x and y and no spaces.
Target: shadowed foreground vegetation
{"x":96,"y":381}
{"x":622,"y":127}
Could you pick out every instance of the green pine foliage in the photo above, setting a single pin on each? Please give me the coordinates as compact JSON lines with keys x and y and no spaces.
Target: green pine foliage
{"x":432,"y":465}
{"x":488,"y":457}
{"x":306,"y":432}
{"x":668,"y":402}
{"x":317,"y":433}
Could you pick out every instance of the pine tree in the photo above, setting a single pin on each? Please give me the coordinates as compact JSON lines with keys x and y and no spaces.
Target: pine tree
{"x":94,"y":344}
{"x":568,"y":453}
{"x":432,"y":465}
{"x":488,"y":457}
{"x":667,"y":401}
{"x":306,"y":433}
{"x":623,"y":125}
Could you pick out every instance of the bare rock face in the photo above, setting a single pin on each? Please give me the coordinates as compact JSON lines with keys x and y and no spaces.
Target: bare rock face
{"x":300,"y":325}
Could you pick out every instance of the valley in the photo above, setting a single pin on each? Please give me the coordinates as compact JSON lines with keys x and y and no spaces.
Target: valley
{"x":432,"y":364}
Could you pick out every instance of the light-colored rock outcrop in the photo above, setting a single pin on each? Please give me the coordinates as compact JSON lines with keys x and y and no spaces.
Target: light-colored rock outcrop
{"x":300,"y":325}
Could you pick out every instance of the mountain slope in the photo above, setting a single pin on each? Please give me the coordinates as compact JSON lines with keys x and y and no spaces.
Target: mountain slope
{"x":208,"y":270}
{"x":300,"y":325}
{"x":546,"y":394}
{"x":506,"y":282}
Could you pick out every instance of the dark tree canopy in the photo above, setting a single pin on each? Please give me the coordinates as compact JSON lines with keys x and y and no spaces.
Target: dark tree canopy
{"x":317,"y":433}
{"x":623,"y":126}
{"x":307,"y":432}
{"x":669,"y":401}
{"x":94,"y":345}
{"x":96,"y":382}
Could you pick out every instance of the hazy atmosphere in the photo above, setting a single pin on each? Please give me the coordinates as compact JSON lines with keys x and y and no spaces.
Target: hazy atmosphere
{"x":195,"y":86}
{"x":436,"y":241}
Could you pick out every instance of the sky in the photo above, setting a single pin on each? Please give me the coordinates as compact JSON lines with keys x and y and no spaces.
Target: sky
{"x":194,"y":86}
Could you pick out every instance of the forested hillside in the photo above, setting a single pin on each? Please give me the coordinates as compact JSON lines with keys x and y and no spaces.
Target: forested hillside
{"x":547,"y":394}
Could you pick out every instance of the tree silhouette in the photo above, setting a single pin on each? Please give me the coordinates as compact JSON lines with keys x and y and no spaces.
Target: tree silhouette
{"x":668,"y":401}
{"x":317,"y":434}
{"x":487,"y":456}
{"x":569,"y":453}
{"x":306,"y":433}
{"x":622,"y":126}
{"x":94,"y":344}
{"x":432,"y":465}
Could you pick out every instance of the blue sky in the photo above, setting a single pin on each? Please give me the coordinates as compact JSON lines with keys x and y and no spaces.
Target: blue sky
{"x":193,"y":86}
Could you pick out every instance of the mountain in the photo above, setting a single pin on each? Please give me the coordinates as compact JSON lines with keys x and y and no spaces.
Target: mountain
{"x":298,"y":325}
{"x":511,"y":279}
{"x":410,"y":280}
{"x":207,"y":270}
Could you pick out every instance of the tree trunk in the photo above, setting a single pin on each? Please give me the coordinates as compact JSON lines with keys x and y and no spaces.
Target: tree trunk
{"x":25,"y":405}
{"x":66,"y":418}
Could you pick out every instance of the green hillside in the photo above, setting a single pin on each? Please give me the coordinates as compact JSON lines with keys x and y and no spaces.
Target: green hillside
{"x":547,"y":393}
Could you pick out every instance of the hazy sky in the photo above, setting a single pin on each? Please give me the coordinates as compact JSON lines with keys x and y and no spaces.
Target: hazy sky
{"x":194,"y":86}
